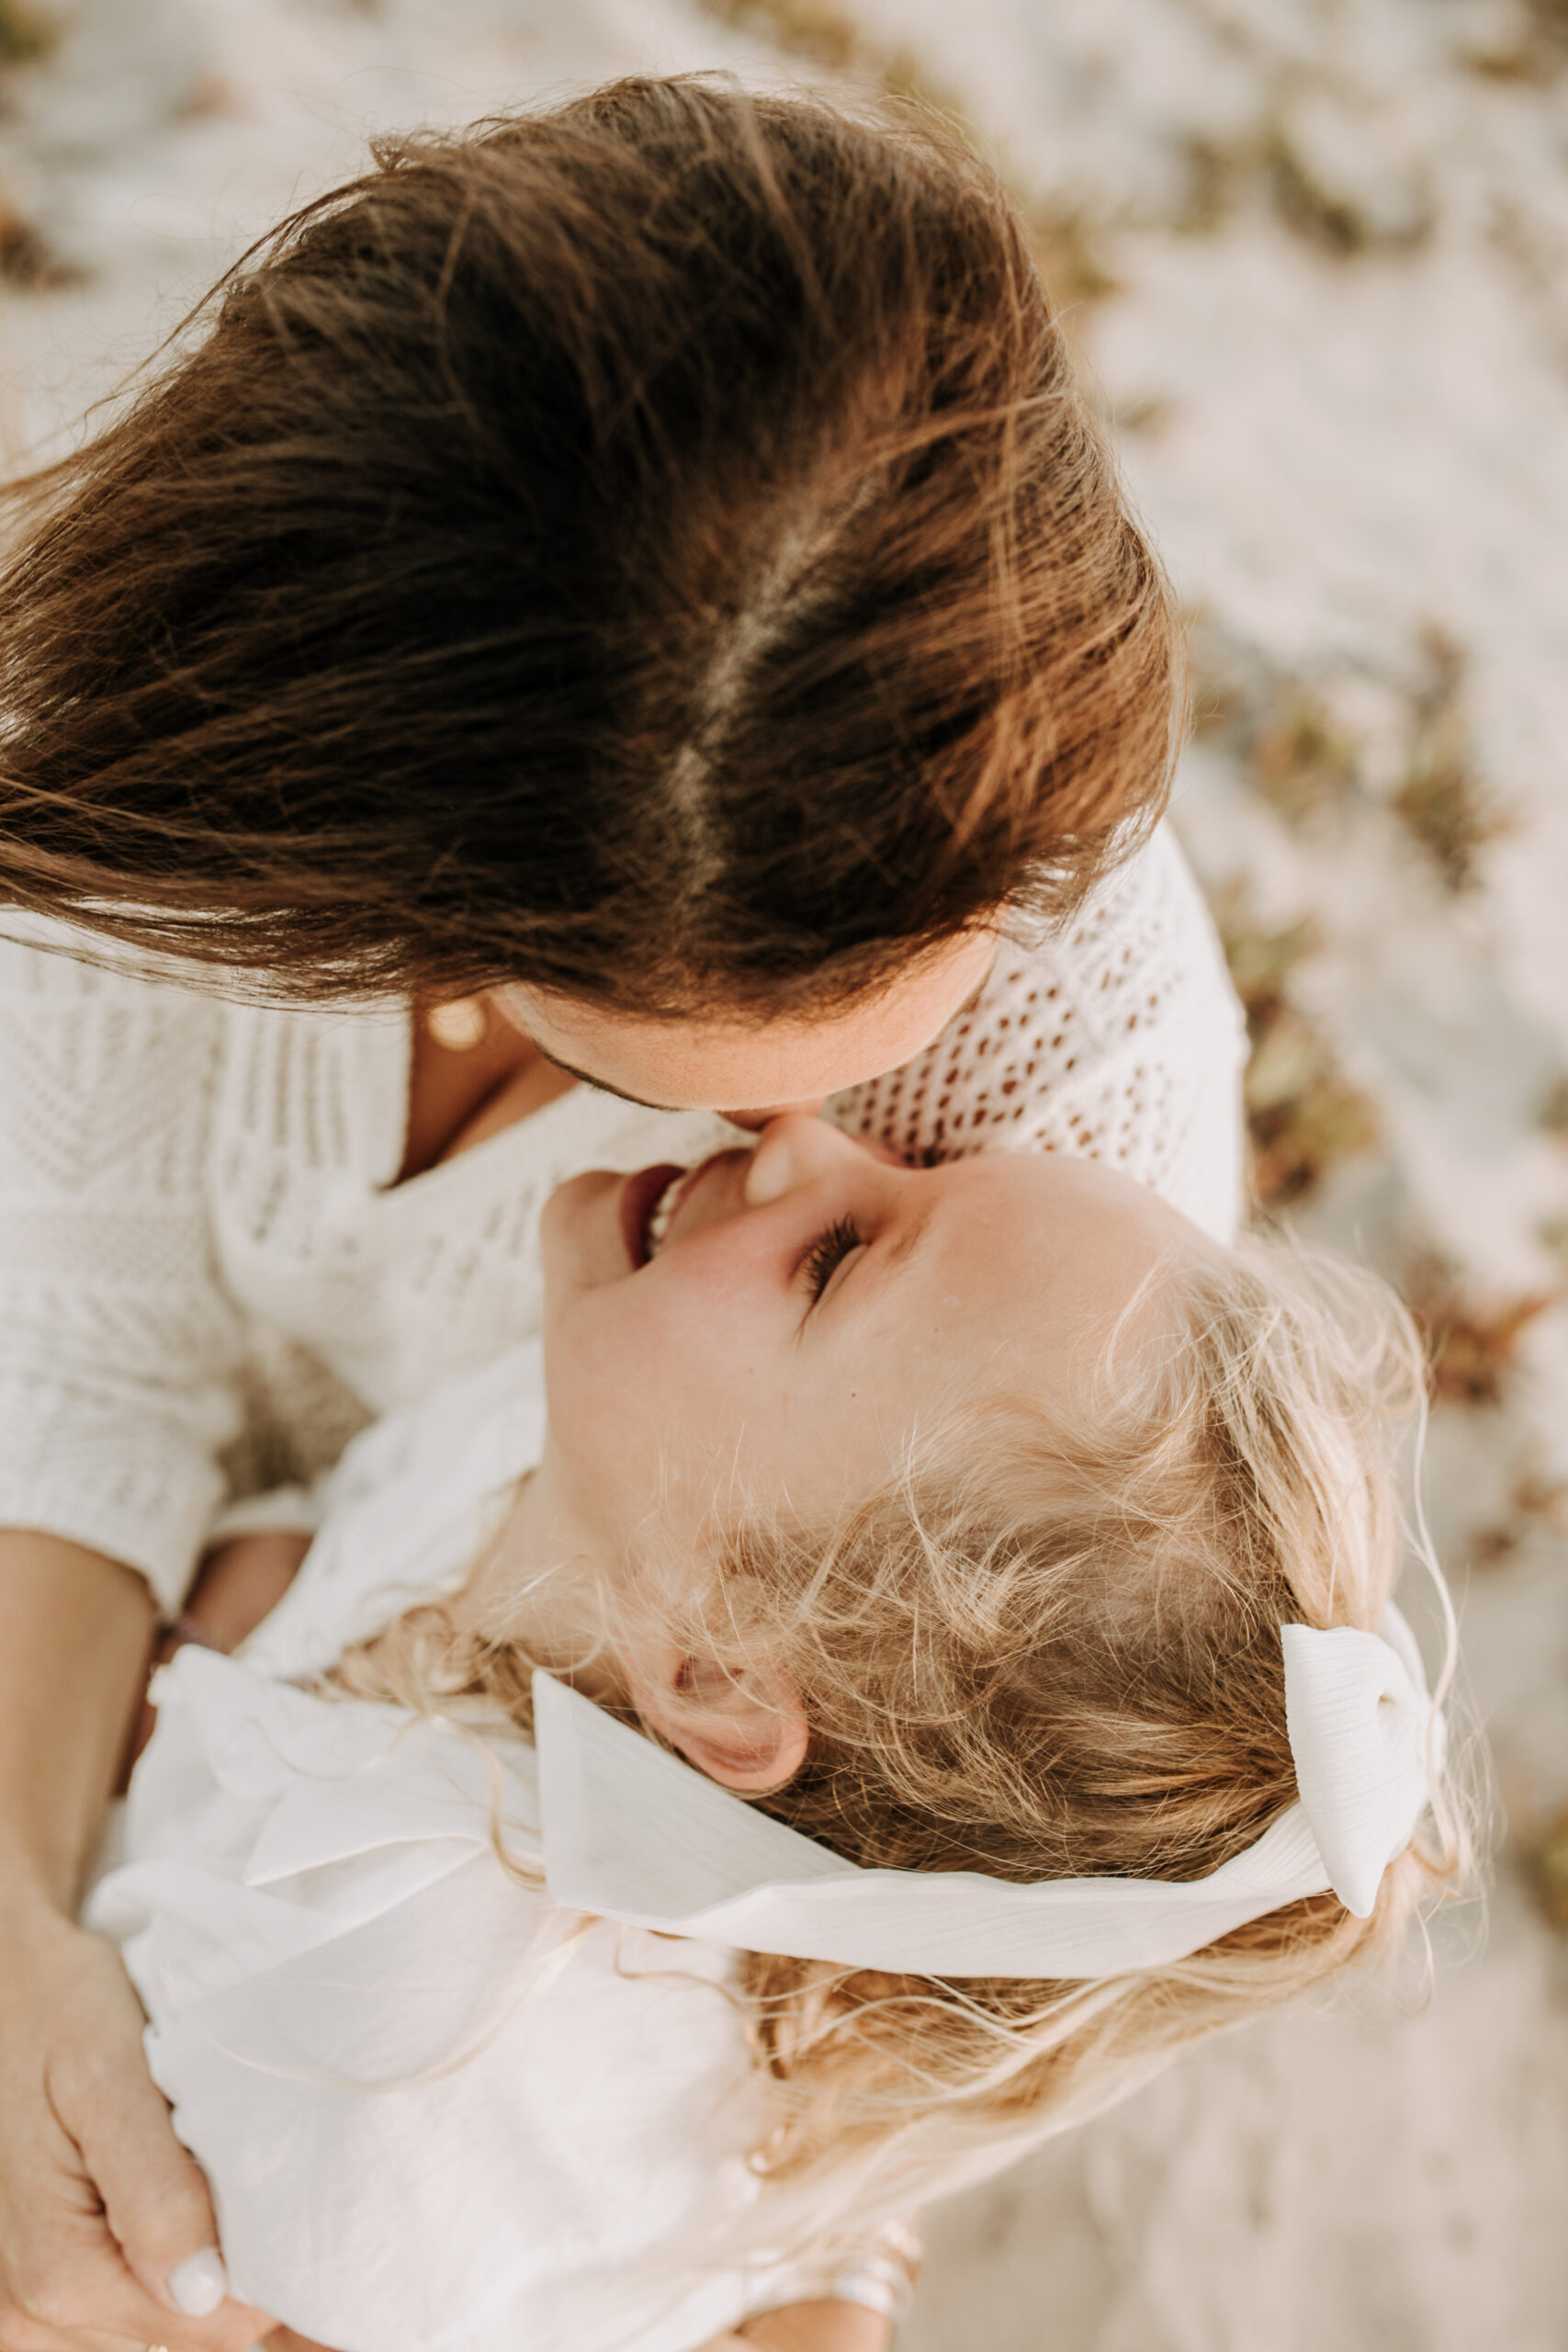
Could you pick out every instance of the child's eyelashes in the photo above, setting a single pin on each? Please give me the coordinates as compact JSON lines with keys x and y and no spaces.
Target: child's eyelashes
{"x":828,"y":1253}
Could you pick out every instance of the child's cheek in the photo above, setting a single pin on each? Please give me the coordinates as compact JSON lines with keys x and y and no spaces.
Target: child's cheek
{"x":609,"y":1366}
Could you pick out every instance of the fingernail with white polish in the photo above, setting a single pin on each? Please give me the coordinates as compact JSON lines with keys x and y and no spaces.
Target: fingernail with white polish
{"x":200,"y":2283}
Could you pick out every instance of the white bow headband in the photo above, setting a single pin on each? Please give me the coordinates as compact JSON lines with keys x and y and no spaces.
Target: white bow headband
{"x":631,"y":1833}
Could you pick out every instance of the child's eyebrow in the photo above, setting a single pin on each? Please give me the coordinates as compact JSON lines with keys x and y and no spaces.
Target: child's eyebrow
{"x":900,"y":1250}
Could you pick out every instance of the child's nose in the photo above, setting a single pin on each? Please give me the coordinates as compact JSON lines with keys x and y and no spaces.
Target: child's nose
{"x":792,"y":1151}
{"x":755,"y":1121}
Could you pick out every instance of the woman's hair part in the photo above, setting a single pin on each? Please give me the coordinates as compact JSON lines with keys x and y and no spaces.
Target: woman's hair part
{"x":652,"y":549}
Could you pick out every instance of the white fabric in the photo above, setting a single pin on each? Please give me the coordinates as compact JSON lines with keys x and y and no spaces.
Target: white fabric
{"x":431,"y":2123}
{"x":200,"y":1237}
{"x":437,"y":2114}
{"x":1358,"y":1714}
{"x":634,"y":1833}
{"x":402,"y":1517}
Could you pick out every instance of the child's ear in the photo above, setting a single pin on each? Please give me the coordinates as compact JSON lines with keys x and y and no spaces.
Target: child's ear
{"x":741,"y":1726}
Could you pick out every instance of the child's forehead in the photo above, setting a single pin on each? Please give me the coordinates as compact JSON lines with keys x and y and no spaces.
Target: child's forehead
{"x":1047,"y":1250}
{"x":1043,"y":1190}
{"x":1093,"y":1190}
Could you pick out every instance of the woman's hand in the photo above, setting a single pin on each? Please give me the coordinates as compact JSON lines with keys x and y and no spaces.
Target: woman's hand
{"x":799,"y":2327}
{"x":809,"y":2327}
{"x":888,"y":2265}
{"x":100,"y":2206}
{"x":241,"y":1581}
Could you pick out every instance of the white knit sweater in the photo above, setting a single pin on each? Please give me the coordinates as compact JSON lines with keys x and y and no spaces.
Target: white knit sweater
{"x":209,"y":1279}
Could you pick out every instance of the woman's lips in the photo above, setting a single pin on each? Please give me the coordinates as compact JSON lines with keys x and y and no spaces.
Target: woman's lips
{"x":639,"y":1197}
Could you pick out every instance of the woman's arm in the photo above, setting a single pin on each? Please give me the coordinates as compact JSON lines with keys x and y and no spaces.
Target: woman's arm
{"x":800,"y":2328}
{"x":241,"y":1581}
{"x":99,"y":2204}
{"x":120,"y":1348}
{"x":84,"y":1627}
{"x":116,"y":1351}
{"x":810,"y":2327}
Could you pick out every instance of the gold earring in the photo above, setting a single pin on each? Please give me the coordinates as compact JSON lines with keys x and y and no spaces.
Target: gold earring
{"x":460,"y":1025}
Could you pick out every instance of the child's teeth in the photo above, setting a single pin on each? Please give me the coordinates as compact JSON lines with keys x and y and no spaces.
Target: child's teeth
{"x":663,"y":1209}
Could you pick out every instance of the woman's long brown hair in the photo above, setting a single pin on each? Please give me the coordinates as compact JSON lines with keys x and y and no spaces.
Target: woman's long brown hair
{"x":653,"y":549}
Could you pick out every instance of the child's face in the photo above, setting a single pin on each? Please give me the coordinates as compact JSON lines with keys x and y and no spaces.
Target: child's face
{"x":810,"y":1306}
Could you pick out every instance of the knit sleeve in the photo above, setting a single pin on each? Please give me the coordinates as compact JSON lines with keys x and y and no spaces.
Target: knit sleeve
{"x":1121,"y":1038}
{"x":117,"y":1345}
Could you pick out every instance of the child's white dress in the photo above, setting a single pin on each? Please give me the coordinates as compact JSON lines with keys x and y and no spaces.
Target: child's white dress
{"x":438,"y":2113}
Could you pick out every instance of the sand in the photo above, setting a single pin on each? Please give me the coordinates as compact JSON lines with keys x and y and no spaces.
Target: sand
{"x":1316,"y":257}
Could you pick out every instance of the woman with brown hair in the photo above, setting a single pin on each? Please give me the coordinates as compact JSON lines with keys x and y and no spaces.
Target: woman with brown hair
{"x":611,"y":623}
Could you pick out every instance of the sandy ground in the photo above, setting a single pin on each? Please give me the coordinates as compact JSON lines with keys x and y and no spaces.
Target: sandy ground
{"x":1317,"y":260}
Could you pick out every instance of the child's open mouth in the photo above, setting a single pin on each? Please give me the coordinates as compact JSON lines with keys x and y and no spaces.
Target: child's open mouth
{"x":663,"y":1209}
{"x":647,"y":1203}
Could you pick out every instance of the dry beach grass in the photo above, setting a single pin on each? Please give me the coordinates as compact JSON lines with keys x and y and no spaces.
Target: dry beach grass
{"x":1315,"y":254}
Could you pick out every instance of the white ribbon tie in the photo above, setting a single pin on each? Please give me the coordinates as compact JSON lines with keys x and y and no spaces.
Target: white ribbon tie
{"x":632,"y":1833}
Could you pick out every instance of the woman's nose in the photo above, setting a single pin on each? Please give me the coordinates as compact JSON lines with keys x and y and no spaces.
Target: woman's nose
{"x":792,"y":1151}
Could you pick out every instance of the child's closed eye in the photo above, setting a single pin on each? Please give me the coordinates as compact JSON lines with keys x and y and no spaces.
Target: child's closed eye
{"x":828,"y":1252}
